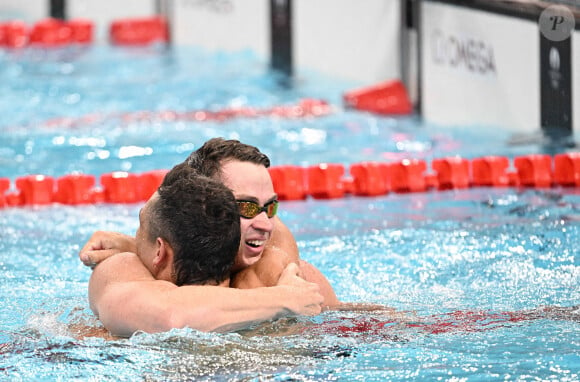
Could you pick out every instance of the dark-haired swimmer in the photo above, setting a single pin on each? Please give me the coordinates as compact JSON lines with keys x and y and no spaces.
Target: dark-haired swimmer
{"x":184,"y":250}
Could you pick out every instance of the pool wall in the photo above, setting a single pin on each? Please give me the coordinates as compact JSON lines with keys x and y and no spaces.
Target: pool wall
{"x":488,"y":64}
{"x":339,"y":38}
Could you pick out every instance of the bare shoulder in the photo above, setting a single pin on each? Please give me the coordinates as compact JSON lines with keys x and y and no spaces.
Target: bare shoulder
{"x":118,"y":286}
{"x":265,"y":272}
{"x":283,"y":240}
{"x":124,"y":259}
{"x":121,"y":267}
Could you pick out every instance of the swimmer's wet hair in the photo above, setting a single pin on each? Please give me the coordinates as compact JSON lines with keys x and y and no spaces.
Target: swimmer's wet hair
{"x":209,"y":158}
{"x":198,"y":217}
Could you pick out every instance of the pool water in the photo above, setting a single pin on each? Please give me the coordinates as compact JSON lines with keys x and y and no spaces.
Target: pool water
{"x":470,"y":270}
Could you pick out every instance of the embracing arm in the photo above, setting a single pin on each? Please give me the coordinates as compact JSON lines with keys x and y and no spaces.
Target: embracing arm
{"x":280,"y":251}
{"x":310,"y":273}
{"x":103,"y":244}
{"x":126,"y":298}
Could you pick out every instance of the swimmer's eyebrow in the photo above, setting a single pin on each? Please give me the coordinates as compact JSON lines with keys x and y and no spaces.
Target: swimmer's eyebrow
{"x":255,"y":200}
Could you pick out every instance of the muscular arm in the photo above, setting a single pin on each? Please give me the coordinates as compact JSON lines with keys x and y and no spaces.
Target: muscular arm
{"x":280,"y":251}
{"x":126,"y":298}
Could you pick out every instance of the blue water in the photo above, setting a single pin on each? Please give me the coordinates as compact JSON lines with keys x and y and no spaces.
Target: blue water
{"x":460,"y":264}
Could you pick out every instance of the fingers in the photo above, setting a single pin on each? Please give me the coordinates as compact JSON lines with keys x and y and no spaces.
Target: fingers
{"x":312,"y":310}
{"x":291,"y":269}
{"x":108,"y":240}
{"x":289,"y":274}
{"x":306,"y":295}
{"x":95,"y":242}
{"x":104,"y":244}
{"x":311,"y":294}
{"x":92,"y":258}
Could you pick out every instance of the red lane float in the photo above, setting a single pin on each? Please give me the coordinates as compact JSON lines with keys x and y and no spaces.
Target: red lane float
{"x":370,"y":178}
{"x":52,"y":32}
{"x":75,"y":189}
{"x":139,"y":31}
{"x":13,"y":34}
{"x":35,"y":189}
{"x":4,"y":186}
{"x":567,"y":169}
{"x":534,"y":170}
{"x":408,"y":175}
{"x":48,"y":32}
{"x":119,"y":187}
{"x":452,"y":172}
{"x":149,"y":182}
{"x":384,"y":98}
{"x":82,"y":31}
{"x":289,"y":182}
{"x":322,"y":181}
{"x":325,"y":181}
{"x":490,"y":171}
{"x":124,"y":187}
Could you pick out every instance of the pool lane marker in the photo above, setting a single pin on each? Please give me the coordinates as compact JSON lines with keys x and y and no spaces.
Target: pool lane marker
{"x":386,"y":98}
{"x":321,"y":181}
{"x":52,"y":32}
{"x":304,"y":108}
{"x":48,"y":33}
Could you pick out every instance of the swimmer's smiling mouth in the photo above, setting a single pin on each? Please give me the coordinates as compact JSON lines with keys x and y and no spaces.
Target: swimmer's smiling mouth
{"x":255,"y":243}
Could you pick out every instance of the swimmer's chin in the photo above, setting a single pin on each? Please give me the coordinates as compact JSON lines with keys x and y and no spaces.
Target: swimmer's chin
{"x":245,"y":262}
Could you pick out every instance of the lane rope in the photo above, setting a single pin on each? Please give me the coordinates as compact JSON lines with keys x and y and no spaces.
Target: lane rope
{"x":320,"y":181}
{"x":303,"y":108}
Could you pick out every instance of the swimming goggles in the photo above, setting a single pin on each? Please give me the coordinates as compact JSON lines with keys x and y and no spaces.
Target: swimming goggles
{"x":249,"y":209}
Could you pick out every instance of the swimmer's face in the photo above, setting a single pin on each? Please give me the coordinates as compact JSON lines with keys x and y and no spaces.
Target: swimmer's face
{"x":249,"y":181}
{"x":146,"y":249}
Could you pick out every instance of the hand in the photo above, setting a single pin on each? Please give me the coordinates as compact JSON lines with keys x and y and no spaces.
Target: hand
{"x":310,"y":273}
{"x":305,"y":297}
{"x":104,"y":244}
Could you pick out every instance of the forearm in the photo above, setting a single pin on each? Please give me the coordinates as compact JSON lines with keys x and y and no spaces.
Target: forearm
{"x":126,"y":298}
{"x":204,"y":308}
{"x":104,"y":244}
{"x":228,"y":309}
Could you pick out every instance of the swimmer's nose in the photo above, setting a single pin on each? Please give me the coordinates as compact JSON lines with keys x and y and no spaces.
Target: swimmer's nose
{"x":262,"y":222}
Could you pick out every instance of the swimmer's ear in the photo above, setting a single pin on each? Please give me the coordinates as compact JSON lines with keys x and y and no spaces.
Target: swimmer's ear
{"x":164,"y":256}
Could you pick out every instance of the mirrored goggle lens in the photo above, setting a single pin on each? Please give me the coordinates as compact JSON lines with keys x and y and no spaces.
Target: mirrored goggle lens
{"x":250,"y":210}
